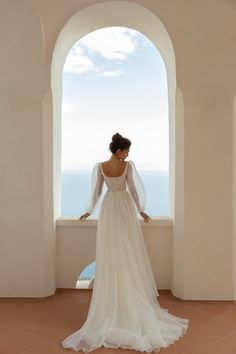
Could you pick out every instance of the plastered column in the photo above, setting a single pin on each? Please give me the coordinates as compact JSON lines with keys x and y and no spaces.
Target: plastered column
{"x":24,"y":251}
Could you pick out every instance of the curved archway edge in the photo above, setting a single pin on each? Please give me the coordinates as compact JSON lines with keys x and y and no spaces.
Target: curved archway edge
{"x":91,"y":18}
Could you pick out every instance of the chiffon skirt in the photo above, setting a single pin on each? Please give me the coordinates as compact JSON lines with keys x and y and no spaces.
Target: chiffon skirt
{"x":124,"y":311}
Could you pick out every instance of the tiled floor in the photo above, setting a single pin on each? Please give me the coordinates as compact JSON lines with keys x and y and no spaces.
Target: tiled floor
{"x":37,"y":326}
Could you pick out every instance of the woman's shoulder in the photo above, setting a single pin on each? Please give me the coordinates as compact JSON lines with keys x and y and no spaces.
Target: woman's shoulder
{"x":104,"y":162}
{"x":101,"y":164}
{"x":107,"y":162}
{"x":130,"y":162}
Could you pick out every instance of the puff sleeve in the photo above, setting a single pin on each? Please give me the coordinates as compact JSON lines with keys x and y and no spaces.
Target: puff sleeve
{"x":136,"y":187}
{"x":96,"y":187}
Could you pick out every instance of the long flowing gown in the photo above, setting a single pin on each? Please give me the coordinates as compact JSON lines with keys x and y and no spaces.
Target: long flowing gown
{"x":124,"y":311}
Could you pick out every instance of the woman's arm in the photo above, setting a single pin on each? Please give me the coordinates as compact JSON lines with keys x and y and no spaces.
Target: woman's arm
{"x":133,"y":190}
{"x":96,"y":190}
{"x":137,"y":190}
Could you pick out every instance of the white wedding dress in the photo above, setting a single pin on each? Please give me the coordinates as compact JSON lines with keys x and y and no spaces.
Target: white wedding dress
{"x":124,"y":311}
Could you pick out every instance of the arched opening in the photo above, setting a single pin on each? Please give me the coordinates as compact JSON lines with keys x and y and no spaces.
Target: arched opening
{"x":114,"y":79}
{"x":91,"y":18}
{"x":107,"y":15}
{"x":86,"y":277}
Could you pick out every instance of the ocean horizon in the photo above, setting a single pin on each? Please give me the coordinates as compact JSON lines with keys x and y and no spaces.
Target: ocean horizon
{"x":76,"y":189}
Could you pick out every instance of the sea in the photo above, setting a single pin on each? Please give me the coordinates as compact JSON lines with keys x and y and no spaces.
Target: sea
{"x":76,"y":185}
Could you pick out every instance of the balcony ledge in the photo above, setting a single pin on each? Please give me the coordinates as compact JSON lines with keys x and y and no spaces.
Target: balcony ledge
{"x":74,"y":222}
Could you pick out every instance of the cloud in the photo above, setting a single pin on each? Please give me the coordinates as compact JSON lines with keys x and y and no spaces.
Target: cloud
{"x":77,"y":62}
{"x":114,"y":73}
{"x":112,"y":42}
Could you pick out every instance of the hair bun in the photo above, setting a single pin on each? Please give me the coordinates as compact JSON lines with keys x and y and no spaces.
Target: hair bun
{"x":116,"y":137}
{"x":119,"y":142}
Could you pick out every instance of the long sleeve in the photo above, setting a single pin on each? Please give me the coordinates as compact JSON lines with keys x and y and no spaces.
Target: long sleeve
{"x":96,"y":187}
{"x":135,"y":186}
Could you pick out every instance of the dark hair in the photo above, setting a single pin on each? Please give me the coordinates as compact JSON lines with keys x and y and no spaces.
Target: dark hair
{"x":119,"y":142}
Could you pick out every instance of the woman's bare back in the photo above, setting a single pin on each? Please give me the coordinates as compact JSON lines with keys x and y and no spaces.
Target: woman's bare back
{"x":113,"y":168}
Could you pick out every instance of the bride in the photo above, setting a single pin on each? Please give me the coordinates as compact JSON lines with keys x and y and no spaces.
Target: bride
{"x":124,"y":311}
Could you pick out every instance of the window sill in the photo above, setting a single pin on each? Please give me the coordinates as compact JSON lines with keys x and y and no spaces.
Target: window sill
{"x":74,"y":222}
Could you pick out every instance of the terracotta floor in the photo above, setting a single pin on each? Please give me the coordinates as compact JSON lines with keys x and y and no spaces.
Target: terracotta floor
{"x":37,"y":326}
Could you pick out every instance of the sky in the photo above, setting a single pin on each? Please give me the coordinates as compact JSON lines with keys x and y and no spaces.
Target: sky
{"x":114,"y":80}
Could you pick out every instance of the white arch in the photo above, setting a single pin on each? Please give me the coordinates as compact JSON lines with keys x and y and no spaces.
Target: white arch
{"x":89,"y":19}
{"x":116,"y":13}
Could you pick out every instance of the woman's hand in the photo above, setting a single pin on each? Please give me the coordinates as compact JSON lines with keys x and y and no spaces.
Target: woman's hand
{"x":84,"y":216}
{"x":145,"y":216}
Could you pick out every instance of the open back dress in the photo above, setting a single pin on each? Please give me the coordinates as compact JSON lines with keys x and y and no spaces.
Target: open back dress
{"x":124,"y":311}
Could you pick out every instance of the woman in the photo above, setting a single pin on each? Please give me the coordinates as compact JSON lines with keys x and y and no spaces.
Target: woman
{"x":124,"y":311}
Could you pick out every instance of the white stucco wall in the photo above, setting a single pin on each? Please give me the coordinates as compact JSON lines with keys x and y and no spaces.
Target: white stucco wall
{"x":203,"y":36}
{"x":76,"y":244}
{"x":21,"y":91}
